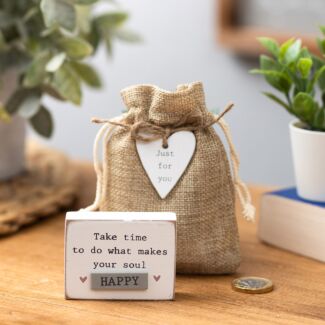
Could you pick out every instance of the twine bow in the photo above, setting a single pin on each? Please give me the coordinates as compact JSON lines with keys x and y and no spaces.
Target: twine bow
{"x":154,"y":132}
{"x":148,"y":132}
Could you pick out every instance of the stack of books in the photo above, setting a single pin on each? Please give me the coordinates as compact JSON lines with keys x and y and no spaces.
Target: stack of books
{"x":292,"y":223}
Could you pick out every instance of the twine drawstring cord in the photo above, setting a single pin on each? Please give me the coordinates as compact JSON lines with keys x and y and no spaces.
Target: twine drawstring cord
{"x":147,"y":132}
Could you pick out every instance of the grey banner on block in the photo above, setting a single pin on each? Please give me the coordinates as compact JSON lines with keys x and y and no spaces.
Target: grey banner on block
{"x":119,"y":281}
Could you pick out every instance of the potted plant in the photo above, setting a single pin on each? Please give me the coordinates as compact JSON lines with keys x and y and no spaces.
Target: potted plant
{"x":300,"y":77}
{"x":43,"y":45}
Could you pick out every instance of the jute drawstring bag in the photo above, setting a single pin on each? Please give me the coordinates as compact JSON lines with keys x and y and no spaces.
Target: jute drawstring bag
{"x":204,"y":197}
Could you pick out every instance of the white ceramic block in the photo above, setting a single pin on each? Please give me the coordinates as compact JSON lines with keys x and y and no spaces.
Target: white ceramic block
{"x":120,"y":255}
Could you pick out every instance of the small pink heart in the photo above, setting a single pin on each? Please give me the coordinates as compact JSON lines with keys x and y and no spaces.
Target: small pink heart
{"x":156,"y":277}
{"x":83,"y":279}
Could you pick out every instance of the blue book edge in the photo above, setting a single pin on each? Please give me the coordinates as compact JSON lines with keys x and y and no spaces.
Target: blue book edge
{"x":291,"y":194}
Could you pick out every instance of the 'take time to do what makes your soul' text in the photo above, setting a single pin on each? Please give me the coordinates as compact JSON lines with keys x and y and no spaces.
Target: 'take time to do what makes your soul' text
{"x":120,"y":251}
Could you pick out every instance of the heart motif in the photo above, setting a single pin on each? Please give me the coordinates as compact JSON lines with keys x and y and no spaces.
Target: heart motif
{"x":156,"y":277}
{"x":83,"y":279}
{"x":165,"y":166}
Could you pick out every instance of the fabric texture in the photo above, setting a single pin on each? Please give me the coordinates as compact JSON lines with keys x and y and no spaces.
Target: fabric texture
{"x":203,"y":198}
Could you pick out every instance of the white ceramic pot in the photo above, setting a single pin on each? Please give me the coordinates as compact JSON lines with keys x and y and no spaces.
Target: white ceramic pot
{"x":308,"y":149}
{"x":12,"y":135}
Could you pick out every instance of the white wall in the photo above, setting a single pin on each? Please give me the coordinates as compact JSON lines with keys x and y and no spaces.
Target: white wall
{"x":180,"y":47}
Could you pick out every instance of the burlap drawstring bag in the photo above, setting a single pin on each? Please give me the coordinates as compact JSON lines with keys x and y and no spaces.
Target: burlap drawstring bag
{"x":203,"y":198}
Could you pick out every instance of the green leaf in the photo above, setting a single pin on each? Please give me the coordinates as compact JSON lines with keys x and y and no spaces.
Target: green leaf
{"x":278,"y":101}
{"x":17,"y":98}
{"x":56,"y":62}
{"x":278,"y":80}
{"x":321,"y":81}
{"x":318,"y":77}
{"x":42,"y":122}
{"x":270,"y":44}
{"x":94,"y":36}
{"x":304,"y":65}
{"x":304,"y":53}
{"x":36,"y":71}
{"x":84,"y":19}
{"x":284,"y":48}
{"x":304,"y":106}
{"x":66,"y":83}
{"x":87,"y":74}
{"x":75,"y":47}
{"x":111,"y":20}
{"x":321,"y":45}
{"x":267,"y":63}
{"x":317,"y":62}
{"x":292,"y":52}
{"x":105,"y":26}
{"x":30,"y":105}
{"x":49,"y":90}
{"x":319,"y":119}
{"x":58,"y":13}
{"x":127,"y":35}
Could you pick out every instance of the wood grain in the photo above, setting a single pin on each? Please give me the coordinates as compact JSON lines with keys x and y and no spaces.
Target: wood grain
{"x":47,"y":185}
{"x":243,"y":39}
{"x":32,"y":292}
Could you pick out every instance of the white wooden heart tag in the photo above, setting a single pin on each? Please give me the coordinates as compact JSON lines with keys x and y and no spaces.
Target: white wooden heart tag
{"x":164,"y":167}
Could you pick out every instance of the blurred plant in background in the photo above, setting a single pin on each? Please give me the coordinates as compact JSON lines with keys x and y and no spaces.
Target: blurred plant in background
{"x":299,"y":76}
{"x":46,"y":42}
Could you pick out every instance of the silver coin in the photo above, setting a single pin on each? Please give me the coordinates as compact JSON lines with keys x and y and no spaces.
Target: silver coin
{"x":252,"y":284}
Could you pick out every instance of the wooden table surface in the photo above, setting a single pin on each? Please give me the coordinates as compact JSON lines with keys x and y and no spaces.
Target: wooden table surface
{"x":32,"y":284}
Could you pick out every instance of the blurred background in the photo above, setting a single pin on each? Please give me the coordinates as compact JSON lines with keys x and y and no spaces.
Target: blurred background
{"x":179,"y":46}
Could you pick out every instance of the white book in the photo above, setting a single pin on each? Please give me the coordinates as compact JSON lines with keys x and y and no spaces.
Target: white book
{"x":292,"y":223}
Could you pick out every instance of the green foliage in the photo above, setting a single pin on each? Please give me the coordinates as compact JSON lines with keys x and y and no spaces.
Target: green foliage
{"x":299,"y":76}
{"x":66,"y":82}
{"x":42,"y":122}
{"x":46,"y":42}
{"x":75,"y":48}
{"x":58,"y":13}
{"x":87,"y":74}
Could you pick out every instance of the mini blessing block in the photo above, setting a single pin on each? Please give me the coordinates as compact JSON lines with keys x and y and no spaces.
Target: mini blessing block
{"x":120,"y":255}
